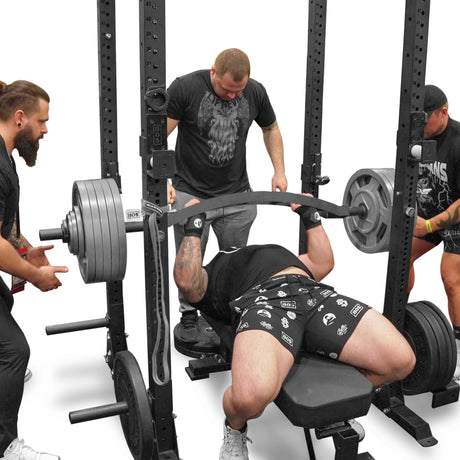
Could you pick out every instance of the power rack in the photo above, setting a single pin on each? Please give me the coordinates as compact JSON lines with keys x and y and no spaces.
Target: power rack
{"x":147,"y":414}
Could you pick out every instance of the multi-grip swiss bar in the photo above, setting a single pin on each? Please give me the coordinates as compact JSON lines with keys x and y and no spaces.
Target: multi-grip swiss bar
{"x":95,"y":230}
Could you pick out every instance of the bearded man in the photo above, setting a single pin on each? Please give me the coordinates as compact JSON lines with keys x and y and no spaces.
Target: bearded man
{"x":24,"y":110}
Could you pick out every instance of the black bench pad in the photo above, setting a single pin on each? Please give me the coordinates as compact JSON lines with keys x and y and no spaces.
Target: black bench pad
{"x":319,"y":391}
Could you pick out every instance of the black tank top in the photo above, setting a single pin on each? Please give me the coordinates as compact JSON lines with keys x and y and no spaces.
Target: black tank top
{"x":232,"y":272}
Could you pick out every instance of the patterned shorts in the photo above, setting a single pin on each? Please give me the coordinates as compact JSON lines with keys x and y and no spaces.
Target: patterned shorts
{"x":299,"y":313}
{"x":450,"y":236}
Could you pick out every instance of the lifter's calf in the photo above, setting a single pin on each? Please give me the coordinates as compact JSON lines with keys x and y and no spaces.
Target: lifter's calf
{"x":450,"y":266}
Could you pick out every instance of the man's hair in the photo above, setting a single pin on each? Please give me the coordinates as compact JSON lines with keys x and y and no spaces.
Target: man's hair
{"x":233,"y":61}
{"x":20,"y":95}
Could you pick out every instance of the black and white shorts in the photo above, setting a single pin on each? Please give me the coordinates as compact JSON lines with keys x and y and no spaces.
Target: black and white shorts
{"x":450,"y":236}
{"x":300,"y":313}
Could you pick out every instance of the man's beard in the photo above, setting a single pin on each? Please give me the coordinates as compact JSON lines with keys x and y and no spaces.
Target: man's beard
{"x":27,"y":146}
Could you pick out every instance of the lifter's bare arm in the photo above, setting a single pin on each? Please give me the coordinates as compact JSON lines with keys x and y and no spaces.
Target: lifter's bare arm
{"x":319,"y":258}
{"x":190,"y":277}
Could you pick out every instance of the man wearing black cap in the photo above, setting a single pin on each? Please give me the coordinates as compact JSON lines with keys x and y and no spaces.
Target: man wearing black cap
{"x":438,"y":201}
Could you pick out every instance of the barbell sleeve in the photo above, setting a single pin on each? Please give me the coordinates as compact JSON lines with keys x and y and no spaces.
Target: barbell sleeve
{"x":57,"y":233}
{"x":77,"y":326}
{"x":51,"y":234}
{"x":95,"y":413}
{"x":135,"y":226}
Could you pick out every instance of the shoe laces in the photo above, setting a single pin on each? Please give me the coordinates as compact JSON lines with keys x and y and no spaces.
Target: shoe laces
{"x":235,"y":441}
{"x":188,"y":321}
{"x":26,"y":452}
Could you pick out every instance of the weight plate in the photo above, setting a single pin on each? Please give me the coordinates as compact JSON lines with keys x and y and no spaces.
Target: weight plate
{"x":419,"y":333}
{"x":73,"y":224}
{"x":449,"y":357}
{"x":97,"y":233}
{"x":87,"y":253}
{"x":373,"y":190}
{"x":443,"y":344}
{"x":439,"y":370}
{"x":137,"y":424}
{"x":117,"y":228}
{"x":105,"y":231}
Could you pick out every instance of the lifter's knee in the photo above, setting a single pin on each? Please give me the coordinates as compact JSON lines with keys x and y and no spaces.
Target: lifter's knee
{"x":399,"y":364}
{"x":250,"y":402}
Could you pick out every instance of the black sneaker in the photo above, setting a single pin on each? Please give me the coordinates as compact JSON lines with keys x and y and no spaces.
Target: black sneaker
{"x":188,"y":328}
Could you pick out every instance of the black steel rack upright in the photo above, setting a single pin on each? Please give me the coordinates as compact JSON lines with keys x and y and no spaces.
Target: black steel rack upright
{"x":390,"y":399}
{"x":116,"y":337}
{"x":311,"y":166}
{"x":157,"y":166}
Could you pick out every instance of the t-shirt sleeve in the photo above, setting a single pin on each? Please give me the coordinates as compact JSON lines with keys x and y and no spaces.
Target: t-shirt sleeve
{"x":457,"y":165}
{"x":176,"y":104}
{"x":266,"y":115}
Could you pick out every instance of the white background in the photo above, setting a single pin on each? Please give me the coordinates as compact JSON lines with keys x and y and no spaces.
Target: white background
{"x":54,"y":44}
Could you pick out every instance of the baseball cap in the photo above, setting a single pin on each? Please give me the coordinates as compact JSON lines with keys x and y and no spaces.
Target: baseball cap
{"x":434,"y":99}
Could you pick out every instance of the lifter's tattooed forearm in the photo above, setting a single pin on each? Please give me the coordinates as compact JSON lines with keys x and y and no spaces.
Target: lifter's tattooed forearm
{"x":188,"y":264}
{"x":451,"y":219}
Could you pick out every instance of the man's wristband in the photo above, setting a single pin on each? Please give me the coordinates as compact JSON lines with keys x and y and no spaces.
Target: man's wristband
{"x":309,"y":216}
{"x":195,"y":225}
{"x":428,"y":226}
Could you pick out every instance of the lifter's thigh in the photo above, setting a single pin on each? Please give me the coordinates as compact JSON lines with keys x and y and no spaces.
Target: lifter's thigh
{"x":259,"y":366}
{"x":377,"y":346}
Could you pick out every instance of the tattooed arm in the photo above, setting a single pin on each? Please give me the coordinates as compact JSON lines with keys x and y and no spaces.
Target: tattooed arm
{"x":190,"y":277}
{"x":447,"y":218}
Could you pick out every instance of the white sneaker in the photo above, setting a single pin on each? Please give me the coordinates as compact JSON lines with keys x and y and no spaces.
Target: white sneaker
{"x":18,"y":451}
{"x":358,"y":428}
{"x":234,"y":446}
{"x":457,"y":369}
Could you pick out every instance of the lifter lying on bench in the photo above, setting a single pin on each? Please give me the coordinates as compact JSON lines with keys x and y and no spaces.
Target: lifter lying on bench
{"x":277,"y":305}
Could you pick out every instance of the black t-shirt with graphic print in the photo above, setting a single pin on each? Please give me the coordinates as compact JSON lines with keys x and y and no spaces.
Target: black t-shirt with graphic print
{"x":9,"y":190}
{"x":438,"y":183}
{"x":232,"y":272}
{"x":212,"y":133}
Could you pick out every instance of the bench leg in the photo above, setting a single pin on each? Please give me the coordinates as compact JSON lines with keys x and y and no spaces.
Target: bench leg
{"x":311,"y":450}
{"x":346,"y":446}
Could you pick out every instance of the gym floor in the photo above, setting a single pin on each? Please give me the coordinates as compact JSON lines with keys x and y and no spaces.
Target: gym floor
{"x":361,"y":106}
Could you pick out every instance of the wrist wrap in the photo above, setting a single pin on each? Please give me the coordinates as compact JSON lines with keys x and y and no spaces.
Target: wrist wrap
{"x":195,"y":225}
{"x":309,"y":216}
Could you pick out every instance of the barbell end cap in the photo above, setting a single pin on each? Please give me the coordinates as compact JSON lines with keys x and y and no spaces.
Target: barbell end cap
{"x":416,"y":151}
{"x":410,"y":211}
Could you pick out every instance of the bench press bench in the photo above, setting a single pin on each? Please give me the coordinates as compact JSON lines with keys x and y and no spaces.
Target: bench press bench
{"x":318,"y":393}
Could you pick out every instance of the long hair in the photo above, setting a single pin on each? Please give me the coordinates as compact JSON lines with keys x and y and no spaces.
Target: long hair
{"x":20,"y":95}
